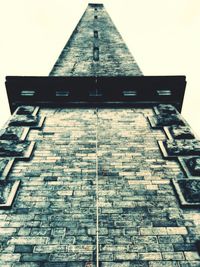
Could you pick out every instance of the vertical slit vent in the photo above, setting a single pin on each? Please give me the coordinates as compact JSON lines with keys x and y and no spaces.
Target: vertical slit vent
{"x":96,"y":34}
{"x":96,"y":54}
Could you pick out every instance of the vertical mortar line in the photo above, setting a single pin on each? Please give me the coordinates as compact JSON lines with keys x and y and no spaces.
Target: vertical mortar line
{"x":97,"y":197}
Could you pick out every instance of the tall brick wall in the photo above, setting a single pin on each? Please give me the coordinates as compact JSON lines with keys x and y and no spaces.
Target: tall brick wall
{"x":97,"y":188}
{"x":95,"y":54}
{"x":54,"y":217}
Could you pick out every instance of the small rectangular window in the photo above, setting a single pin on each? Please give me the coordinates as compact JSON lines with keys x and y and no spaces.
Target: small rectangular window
{"x":96,"y":34}
{"x":95,"y":93}
{"x":62,"y":93}
{"x":96,"y":17}
{"x":164,"y":92}
{"x":129,"y":93}
{"x":96,"y":53}
{"x":27,"y":93}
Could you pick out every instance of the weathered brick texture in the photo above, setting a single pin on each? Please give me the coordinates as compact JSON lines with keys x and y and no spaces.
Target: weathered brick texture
{"x":53,"y":219}
{"x":96,"y":185}
{"x":76,"y":58}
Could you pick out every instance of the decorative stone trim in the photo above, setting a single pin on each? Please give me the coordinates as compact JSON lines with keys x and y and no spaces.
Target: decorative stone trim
{"x":14,"y":133}
{"x":21,"y":149}
{"x":27,"y":110}
{"x":165,"y":108}
{"x":185,"y":167}
{"x":5,"y":166}
{"x":8,"y":192}
{"x":31,"y":121}
{"x":188,"y":192}
{"x":181,"y":148}
{"x":178,"y":132}
{"x":161,"y":120}
{"x":40,"y":123}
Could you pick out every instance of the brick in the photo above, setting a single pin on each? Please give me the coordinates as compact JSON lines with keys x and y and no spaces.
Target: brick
{"x":23,"y":248}
{"x":177,"y":230}
{"x":9,"y":257}
{"x":173,"y":256}
{"x":191,"y":255}
{"x":163,"y":263}
{"x":125,"y":256}
{"x":150,"y":256}
{"x":28,"y":240}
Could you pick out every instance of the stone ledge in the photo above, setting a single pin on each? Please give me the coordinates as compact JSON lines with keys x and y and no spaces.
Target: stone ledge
{"x":183,"y":147}
{"x":27,"y":110}
{"x":8,"y":192}
{"x":14,"y":133}
{"x":165,"y":108}
{"x":187,"y":191}
{"x":5,"y":167}
{"x":186,"y":169}
{"x":167,"y":121}
{"x":178,"y":132}
{"x":20,"y":150}
{"x":34,"y":122}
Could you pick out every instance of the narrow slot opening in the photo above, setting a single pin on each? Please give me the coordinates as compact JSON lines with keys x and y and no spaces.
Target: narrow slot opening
{"x":164,"y":92}
{"x":95,"y":93}
{"x":129,"y":93}
{"x":62,"y":93}
{"x":27,"y":93}
{"x":96,"y":34}
{"x":96,"y":53}
{"x":96,"y":17}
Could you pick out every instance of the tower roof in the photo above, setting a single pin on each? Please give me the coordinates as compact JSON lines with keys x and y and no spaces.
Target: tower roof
{"x":95,"y":48}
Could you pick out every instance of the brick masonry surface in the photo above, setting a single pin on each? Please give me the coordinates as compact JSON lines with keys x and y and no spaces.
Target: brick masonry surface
{"x":95,"y":49}
{"x":53,"y":219}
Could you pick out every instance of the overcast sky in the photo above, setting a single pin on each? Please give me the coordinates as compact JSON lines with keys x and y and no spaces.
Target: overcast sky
{"x":163,"y":36}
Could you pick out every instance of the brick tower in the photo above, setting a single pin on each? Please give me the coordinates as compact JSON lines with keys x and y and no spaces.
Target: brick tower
{"x":98,"y":167}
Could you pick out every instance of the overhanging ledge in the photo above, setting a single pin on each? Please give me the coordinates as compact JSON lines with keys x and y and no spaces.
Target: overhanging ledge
{"x":93,"y":91}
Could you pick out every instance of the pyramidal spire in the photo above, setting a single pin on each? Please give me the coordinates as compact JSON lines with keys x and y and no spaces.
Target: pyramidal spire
{"x":95,"y":48}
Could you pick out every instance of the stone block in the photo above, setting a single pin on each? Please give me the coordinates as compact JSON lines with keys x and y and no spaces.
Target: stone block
{"x":13,"y":133}
{"x":26,"y":110}
{"x":193,"y":165}
{"x":8,"y":191}
{"x":24,"y":120}
{"x":188,"y":191}
{"x":165,"y":119}
{"x":5,"y":166}
{"x":32,"y":121}
{"x":21,"y":149}
{"x":179,"y":132}
{"x":175,"y":148}
{"x":165,"y":108}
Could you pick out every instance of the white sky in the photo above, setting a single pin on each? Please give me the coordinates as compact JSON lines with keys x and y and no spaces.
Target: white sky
{"x":163,"y":36}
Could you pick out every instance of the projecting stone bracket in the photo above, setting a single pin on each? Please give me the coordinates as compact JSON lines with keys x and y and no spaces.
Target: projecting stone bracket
{"x":14,"y":133}
{"x":178,"y":132}
{"x":34,"y":122}
{"x":190,"y":165}
{"x":5,"y":166}
{"x":165,"y":115}
{"x":161,"y":120}
{"x":20,"y":150}
{"x":27,"y":110}
{"x":165,"y":108}
{"x":8,"y":192}
{"x":187,"y":191}
{"x":176,"y":148}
